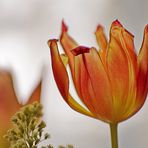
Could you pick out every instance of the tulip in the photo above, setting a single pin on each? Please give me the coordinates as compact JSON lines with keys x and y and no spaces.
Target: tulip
{"x":9,"y":104}
{"x":111,"y":82}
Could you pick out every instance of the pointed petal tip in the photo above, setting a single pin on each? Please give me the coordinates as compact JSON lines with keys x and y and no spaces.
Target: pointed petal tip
{"x":146,"y":28}
{"x":80,"y":50}
{"x":52,"y":41}
{"x":36,"y":94}
{"x":64,"y":27}
{"x":117,"y":23}
{"x":99,"y":28}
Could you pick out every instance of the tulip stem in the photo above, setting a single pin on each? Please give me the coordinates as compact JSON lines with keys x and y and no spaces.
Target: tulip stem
{"x":114,"y":135}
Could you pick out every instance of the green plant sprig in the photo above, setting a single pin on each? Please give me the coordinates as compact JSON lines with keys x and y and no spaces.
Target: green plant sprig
{"x":28,"y":128}
{"x":27,"y":131}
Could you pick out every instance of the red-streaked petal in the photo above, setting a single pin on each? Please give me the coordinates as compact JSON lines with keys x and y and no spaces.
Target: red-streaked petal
{"x":100,"y":84}
{"x":78,"y":66}
{"x":93,"y":84}
{"x":102,"y":42}
{"x":142,"y":86}
{"x":59,"y":70}
{"x":80,"y":69}
{"x":61,"y":78}
{"x":128,"y":46}
{"x":101,"y":38}
{"x":122,"y":69}
{"x":68,"y":43}
{"x":142,"y":76}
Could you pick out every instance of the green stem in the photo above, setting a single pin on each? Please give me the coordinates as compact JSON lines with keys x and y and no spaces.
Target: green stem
{"x":114,"y":135}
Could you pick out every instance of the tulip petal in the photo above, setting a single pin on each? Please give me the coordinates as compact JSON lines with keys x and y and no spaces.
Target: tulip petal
{"x":8,"y":98}
{"x":142,"y":86}
{"x":102,"y":42}
{"x":128,"y":44}
{"x":36,"y":95}
{"x":68,"y":44}
{"x":122,"y":69}
{"x":61,"y":78}
{"x":101,"y":38}
{"x":93,"y":83}
{"x":80,"y":76}
{"x":9,"y":104}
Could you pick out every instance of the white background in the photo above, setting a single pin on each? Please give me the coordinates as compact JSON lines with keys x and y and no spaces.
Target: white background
{"x":25,"y":27}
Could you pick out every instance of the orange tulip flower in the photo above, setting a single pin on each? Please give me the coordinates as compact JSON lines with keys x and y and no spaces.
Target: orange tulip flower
{"x":9,"y":104}
{"x":112,"y":82}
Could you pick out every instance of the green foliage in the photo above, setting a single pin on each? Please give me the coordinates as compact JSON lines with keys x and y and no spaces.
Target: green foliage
{"x":27,"y":131}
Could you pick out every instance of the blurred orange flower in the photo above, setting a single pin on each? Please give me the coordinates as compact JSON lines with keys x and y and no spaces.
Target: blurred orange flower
{"x":9,"y":104}
{"x":112,"y":82}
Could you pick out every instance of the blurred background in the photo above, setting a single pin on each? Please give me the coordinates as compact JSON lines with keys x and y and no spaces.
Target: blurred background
{"x":25,"y":27}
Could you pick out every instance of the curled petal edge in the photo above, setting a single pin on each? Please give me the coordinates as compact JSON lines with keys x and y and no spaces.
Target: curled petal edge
{"x":143,"y":67}
{"x":68,"y":43}
{"x":62,"y":80}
